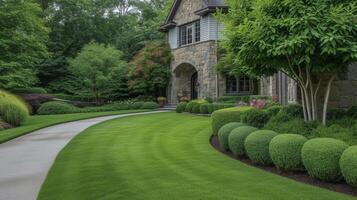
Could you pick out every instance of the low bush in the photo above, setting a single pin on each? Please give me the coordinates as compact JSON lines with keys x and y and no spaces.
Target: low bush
{"x":204,"y":108}
{"x":196,"y":108}
{"x":137,"y":105}
{"x":285,"y":151}
{"x":220,"y":106}
{"x":56,"y":107}
{"x":224,"y":132}
{"x":237,"y":138}
{"x":210,"y":108}
{"x":33,"y":90}
{"x":12,"y":109}
{"x":336,"y":131}
{"x":150,"y":105}
{"x":348,"y":164}
{"x":293,"y":111}
{"x":257,"y":146}
{"x":181,"y":107}
{"x":35,"y":100}
{"x":294,"y":125}
{"x":335,"y":114}
{"x":352,"y":112}
{"x":321,"y":158}
{"x":255,"y":117}
{"x":224,"y":116}
{"x":273,"y":110}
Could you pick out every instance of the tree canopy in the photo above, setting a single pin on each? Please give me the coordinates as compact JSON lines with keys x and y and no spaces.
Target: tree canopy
{"x":311,"y":41}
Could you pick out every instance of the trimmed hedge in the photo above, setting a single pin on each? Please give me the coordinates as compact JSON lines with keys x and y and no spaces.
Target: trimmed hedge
{"x":224,"y":132}
{"x":150,"y":105}
{"x":321,"y":158}
{"x":181,"y":107}
{"x":348,"y":164}
{"x":56,"y":107}
{"x":255,"y":117}
{"x":237,"y":138}
{"x":196,"y":108}
{"x":273,"y":110}
{"x":224,"y":116}
{"x":136,"y":105}
{"x":204,"y":108}
{"x":257,"y":146}
{"x":12,"y":109}
{"x":285,"y":151}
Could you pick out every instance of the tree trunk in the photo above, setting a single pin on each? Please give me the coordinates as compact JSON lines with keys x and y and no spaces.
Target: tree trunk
{"x":327,"y":97}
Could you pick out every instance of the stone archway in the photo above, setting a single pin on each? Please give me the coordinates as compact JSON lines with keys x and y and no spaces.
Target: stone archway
{"x":186,"y":82}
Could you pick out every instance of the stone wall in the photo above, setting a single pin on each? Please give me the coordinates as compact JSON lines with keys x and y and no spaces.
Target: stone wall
{"x":186,"y":11}
{"x":203,"y":57}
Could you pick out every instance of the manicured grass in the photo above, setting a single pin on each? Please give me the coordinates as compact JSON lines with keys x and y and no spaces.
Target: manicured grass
{"x":162,"y":156}
{"x":36,"y":122}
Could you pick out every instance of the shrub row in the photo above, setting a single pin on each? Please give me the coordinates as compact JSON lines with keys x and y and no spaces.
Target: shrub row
{"x":57,"y":107}
{"x":12,"y":109}
{"x":201,"y":106}
{"x":326,"y":159}
{"x":247,"y":99}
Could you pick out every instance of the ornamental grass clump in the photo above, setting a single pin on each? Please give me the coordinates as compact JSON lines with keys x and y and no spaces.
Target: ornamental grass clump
{"x":224,"y":132}
{"x":321,"y":157}
{"x":237,"y":138}
{"x":12,"y":109}
{"x":285,"y":151}
{"x":257,"y":146}
{"x":348,"y":164}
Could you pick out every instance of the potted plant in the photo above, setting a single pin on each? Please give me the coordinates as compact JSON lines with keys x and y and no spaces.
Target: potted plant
{"x":162,"y":101}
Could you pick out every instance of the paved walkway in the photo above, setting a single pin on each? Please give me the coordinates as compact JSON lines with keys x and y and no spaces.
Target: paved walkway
{"x":25,"y":161}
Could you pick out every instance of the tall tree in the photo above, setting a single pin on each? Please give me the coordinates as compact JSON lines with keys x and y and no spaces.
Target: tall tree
{"x":309,"y":40}
{"x":23,"y":42}
{"x":149,"y":70}
{"x":98,"y":68}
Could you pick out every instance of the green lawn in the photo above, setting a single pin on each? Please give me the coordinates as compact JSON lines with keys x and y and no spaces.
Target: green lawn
{"x":41,"y":121}
{"x":162,"y":156}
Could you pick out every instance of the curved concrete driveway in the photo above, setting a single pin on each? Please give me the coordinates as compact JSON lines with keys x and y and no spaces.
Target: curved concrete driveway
{"x":25,"y":161}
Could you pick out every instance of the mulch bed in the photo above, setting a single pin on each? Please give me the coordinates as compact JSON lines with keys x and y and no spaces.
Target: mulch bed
{"x":297,"y":176}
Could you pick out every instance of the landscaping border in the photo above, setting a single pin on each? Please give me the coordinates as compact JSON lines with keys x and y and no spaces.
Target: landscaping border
{"x":302,"y":177}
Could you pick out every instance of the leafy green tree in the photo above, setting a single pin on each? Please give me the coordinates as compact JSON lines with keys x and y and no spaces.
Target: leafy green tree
{"x":23,"y":38}
{"x":99,"y":70}
{"x":149,"y":71}
{"x":309,"y":40}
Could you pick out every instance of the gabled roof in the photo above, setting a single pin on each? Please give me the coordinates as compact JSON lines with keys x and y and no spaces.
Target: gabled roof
{"x":209,"y":6}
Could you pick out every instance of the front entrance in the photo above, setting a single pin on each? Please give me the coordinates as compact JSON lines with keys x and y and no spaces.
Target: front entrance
{"x":185,"y":83}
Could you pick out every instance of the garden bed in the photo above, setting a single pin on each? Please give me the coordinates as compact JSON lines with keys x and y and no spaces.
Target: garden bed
{"x":297,"y":176}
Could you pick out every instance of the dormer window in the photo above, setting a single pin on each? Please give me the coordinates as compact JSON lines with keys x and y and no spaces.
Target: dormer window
{"x":190,"y":33}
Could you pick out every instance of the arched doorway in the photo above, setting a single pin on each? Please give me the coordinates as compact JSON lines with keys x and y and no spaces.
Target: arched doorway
{"x":186,"y":82}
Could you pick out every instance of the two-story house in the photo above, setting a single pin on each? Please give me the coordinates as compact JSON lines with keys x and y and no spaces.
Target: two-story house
{"x":193,"y":34}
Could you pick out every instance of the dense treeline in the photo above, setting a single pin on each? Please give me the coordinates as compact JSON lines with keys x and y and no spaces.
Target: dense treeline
{"x":40,"y":41}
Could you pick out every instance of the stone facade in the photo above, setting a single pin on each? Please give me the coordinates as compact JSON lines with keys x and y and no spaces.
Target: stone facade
{"x":201,"y":57}
{"x":186,"y":11}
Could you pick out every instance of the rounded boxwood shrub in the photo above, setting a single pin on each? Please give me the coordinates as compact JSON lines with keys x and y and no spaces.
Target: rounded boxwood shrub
{"x":348,"y":164}
{"x":321,"y":157}
{"x":257,"y":146}
{"x":204,"y":108}
{"x":224,"y":116}
{"x":12,"y":109}
{"x":237,"y":138}
{"x":181,"y":107}
{"x":150,"y":105}
{"x":136,"y":105}
{"x":255,"y":117}
{"x":196,"y":108}
{"x":224,"y":132}
{"x":56,"y":107}
{"x":285,"y":151}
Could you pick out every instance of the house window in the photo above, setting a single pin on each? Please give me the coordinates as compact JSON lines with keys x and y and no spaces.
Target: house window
{"x":197,"y":31}
{"x":190,"y":33}
{"x":240,"y":84}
